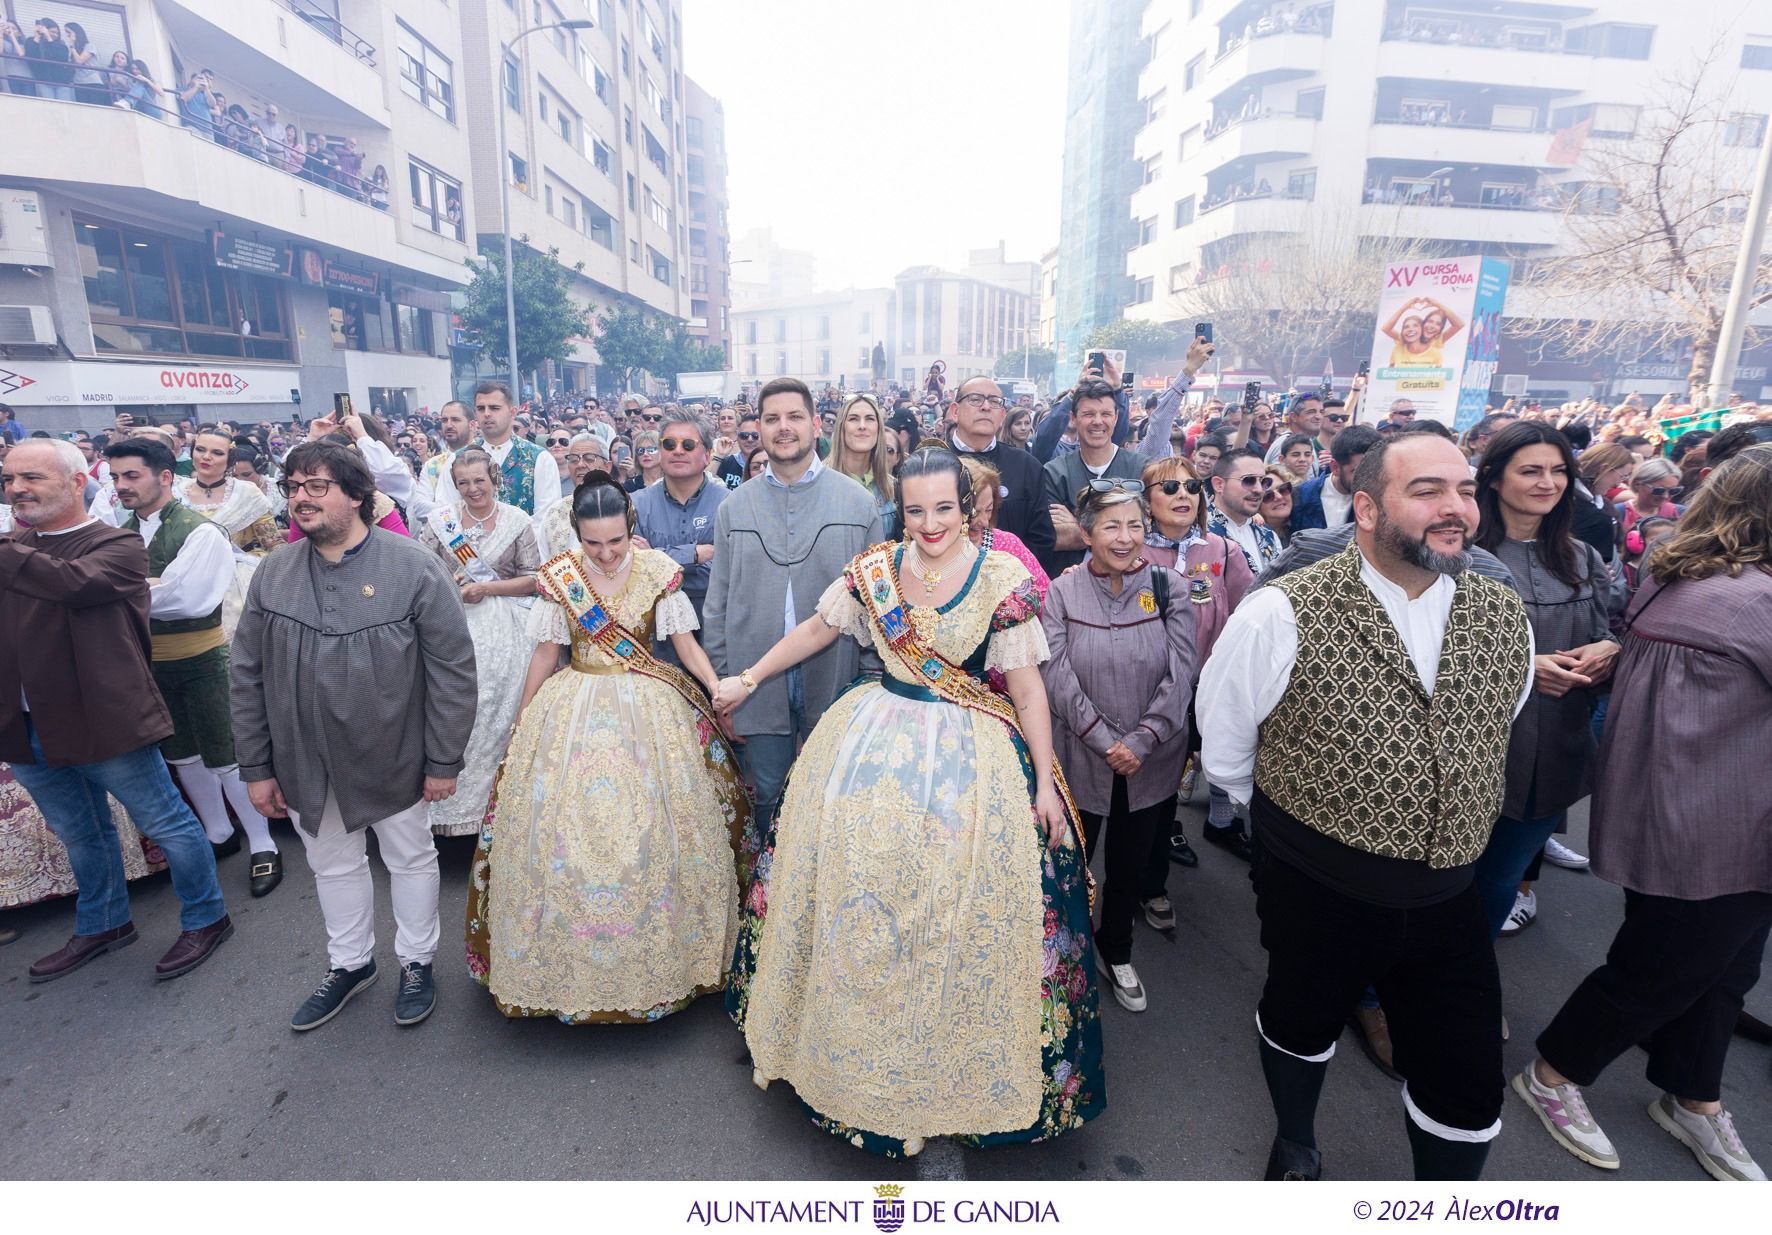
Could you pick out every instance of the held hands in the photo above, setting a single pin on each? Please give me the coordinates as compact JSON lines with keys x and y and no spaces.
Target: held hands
{"x":1050,"y":812}
{"x":473,"y":593}
{"x":1595,"y":661}
{"x":1122,"y":760}
{"x":439,"y":787}
{"x":1555,"y":674}
{"x":267,"y":798}
{"x":729,"y":694}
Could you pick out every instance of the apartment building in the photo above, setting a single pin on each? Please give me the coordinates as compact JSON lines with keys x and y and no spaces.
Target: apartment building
{"x":710,"y":240}
{"x":824,"y":338}
{"x":966,"y":319}
{"x":594,"y":151}
{"x":305,"y":248}
{"x":1458,"y":122}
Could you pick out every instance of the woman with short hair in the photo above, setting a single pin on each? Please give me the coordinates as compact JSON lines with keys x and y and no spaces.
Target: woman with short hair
{"x":1655,"y":483}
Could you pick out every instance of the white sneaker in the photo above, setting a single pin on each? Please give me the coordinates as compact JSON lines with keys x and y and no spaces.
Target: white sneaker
{"x":1565,"y":1116}
{"x":1159,"y":913}
{"x":1711,"y":1138}
{"x":1128,"y":990}
{"x":1559,"y":854}
{"x":1524,"y":914}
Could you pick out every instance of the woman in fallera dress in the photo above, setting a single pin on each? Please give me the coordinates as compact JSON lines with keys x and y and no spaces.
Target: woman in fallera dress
{"x":489,"y":546}
{"x":916,"y":957}
{"x":605,"y":885}
{"x":242,"y":509}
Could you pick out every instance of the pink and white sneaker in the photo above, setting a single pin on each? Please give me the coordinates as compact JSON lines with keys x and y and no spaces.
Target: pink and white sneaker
{"x":1564,"y":1114}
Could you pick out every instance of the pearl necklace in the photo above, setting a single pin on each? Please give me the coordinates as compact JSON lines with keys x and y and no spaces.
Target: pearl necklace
{"x":931,"y":577}
{"x":609,"y":574}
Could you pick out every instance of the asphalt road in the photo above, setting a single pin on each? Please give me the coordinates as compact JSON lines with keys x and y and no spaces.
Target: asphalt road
{"x":107,"y":1074}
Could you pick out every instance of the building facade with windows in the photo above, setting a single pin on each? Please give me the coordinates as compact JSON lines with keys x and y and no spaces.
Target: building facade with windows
{"x":962,"y":319}
{"x":1458,"y":122}
{"x":595,"y":125}
{"x":710,"y":240}
{"x":154,"y":260}
{"x":827,"y":338}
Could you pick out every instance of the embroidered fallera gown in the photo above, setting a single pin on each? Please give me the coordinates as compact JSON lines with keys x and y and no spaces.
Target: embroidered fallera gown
{"x":605,"y":886}
{"x":499,"y":626}
{"x":914,"y":960}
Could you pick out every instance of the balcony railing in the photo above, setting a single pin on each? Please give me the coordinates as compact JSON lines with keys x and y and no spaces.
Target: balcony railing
{"x":1317,"y":20}
{"x":1256,"y":194}
{"x":329,"y":25}
{"x":1452,"y":33}
{"x":1542,"y":200}
{"x":1218,"y":128}
{"x":234,"y":133}
{"x":1449,"y":118}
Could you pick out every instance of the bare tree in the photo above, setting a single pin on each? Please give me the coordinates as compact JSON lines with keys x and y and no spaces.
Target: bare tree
{"x":1286,"y":303}
{"x":1653,"y":227}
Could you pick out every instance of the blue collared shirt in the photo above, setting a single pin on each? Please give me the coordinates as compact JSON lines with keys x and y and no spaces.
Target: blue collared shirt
{"x":675,"y":529}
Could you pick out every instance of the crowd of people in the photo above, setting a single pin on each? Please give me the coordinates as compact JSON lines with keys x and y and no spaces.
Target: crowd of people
{"x":823,"y":703}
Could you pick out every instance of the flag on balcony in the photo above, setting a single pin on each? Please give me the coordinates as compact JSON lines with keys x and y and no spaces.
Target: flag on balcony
{"x":1567,"y":145}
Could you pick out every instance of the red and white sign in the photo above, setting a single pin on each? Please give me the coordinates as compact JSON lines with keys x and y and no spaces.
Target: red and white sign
{"x":84,"y":383}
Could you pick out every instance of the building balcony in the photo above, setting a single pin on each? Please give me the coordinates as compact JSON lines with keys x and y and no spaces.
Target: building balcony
{"x":156,"y":170}
{"x":1512,"y":225}
{"x":1260,"y":138}
{"x":1260,"y":61}
{"x":1506,"y":67}
{"x":1248,"y":216}
{"x":1460,"y":144}
{"x":287,"y":51}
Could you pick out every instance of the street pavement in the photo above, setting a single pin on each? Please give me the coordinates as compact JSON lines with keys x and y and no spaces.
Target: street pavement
{"x":108,"y":1074}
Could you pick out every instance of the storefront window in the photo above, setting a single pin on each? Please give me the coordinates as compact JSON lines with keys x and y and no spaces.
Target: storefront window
{"x":151,"y":293}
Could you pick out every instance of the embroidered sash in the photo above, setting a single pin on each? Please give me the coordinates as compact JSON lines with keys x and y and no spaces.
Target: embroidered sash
{"x":448,"y":530}
{"x":875,"y":576}
{"x":567,"y":583}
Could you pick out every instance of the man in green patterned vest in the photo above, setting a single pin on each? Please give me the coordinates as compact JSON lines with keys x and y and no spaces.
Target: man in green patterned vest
{"x":190,"y":568}
{"x":1363,"y":865}
{"x":528,"y":477}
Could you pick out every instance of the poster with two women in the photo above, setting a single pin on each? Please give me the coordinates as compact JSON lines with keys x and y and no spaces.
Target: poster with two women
{"x":1438,"y":338}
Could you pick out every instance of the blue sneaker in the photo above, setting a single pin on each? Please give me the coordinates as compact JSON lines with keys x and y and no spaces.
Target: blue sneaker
{"x":329,"y":998}
{"x":418,"y":993}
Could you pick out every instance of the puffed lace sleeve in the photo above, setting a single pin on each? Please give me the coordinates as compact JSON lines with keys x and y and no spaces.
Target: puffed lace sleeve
{"x":839,"y":609}
{"x":1017,"y":640}
{"x":547,"y":619}
{"x":674,"y":615}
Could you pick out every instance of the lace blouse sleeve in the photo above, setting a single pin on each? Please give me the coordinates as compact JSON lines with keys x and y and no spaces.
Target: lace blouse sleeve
{"x":547,"y":619}
{"x":841,"y":611}
{"x":674,"y":616}
{"x":1017,"y":639}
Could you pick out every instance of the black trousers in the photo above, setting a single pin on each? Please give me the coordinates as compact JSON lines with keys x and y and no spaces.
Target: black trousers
{"x":1434,"y":969}
{"x":1673,"y":982}
{"x":1124,"y":866}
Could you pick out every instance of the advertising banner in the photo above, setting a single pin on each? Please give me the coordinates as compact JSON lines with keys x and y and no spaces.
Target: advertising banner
{"x":84,"y":383}
{"x":1434,"y":318}
{"x":253,"y":256}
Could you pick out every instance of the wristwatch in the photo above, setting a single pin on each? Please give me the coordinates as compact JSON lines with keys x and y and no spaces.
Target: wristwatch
{"x":750,"y":683}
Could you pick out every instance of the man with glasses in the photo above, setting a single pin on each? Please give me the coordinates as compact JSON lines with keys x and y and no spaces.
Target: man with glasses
{"x":353,"y":697}
{"x":558,"y":442}
{"x":585,"y":457}
{"x":1094,"y":411}
{"x":1402,"y":415}
{"x":676,"y":515}
{"x":1239,"y":482}
{"x":747,"y":436}
{"x":979,"y":410}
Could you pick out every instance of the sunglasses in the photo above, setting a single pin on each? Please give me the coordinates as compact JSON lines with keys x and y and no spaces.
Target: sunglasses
{"x":750,"y":437}
{"x":651,"y":419}
{"x":1335,"y":419}
{"x":1281,"y":491}
{"x":1105,"y":485}
{"x":684,"y":444}
{"x":645,"y":450}
{"x":559,"y":441}
{"x":1171,"y":487}
{"x":1250,"y":482}
{"x":1673,"y":492}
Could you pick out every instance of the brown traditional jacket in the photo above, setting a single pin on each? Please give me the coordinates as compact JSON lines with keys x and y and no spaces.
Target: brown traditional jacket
{"x":74,"y":624}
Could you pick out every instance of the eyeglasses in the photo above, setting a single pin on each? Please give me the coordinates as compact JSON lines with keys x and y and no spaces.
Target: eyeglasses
{"x":559,"y":441}
{"x":977,"y":400}
{"x":1335,"y":418}
{"x":684,"y":444}
{"x":314,"y":486}
{"x":750,"y":437}
{"x":1171,"y":487}
{"x":1673,"y":492}
{"x":1250,"y":482}
{"x":572,"y":458}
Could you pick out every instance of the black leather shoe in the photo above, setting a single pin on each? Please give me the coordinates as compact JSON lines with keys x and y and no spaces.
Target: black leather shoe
{"x":1289,"y":1160}
{"x":1232,"y":840}
{"x":1181,"y":853}
{"x":267,"y":872}
{"x":227,"y":848}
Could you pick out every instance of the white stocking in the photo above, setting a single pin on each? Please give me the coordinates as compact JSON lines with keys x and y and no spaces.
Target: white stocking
{"x":258,"y":828}
{"x":205,"y":791}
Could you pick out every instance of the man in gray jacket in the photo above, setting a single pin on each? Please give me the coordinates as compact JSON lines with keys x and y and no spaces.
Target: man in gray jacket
{"x":353,"y":692}
{"x":779,"y":542}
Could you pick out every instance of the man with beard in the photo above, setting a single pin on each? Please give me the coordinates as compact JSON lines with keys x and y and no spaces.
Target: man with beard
{"x":1363,"y":867}
{"x":778,"y":543}
{"x":190,"y":568}
{"x":357,"y":636}
{"x":457,"y":430}
{"x":80,"y":716}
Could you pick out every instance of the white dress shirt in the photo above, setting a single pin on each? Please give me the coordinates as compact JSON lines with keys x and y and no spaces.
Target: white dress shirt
{"x":1243,"y":534}
{"x":546,"y":488}
{"x":1336,"y":504}
{"x":1251,"y":666}
{"x":811,"y":473}
{"x":195,"y":581}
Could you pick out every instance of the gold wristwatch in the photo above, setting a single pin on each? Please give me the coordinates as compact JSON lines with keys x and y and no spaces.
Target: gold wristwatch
{"x":750,"y":683}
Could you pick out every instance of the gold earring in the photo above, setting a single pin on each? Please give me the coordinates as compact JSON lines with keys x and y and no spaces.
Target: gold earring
{"x":966,"y":527}
{"x":907,"y":536}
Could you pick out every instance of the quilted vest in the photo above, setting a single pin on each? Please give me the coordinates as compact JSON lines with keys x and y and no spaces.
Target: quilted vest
{"x":177,"y":521}
{"x":1425,"y":781}
{"x":516,"y":479}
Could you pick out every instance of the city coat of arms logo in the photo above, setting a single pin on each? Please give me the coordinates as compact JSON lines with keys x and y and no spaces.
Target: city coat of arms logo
{"x":888,"y":1207}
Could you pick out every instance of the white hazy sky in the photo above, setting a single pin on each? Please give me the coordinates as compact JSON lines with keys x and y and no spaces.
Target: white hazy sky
{"x":849,"y":131}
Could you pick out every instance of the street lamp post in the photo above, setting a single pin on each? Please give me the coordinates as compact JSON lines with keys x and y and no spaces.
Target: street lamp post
{"x":504,"y":194}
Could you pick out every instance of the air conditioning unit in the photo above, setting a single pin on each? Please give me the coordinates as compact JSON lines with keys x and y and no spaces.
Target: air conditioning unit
{"x":23,"y":241}
{"x":23,"y":325}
